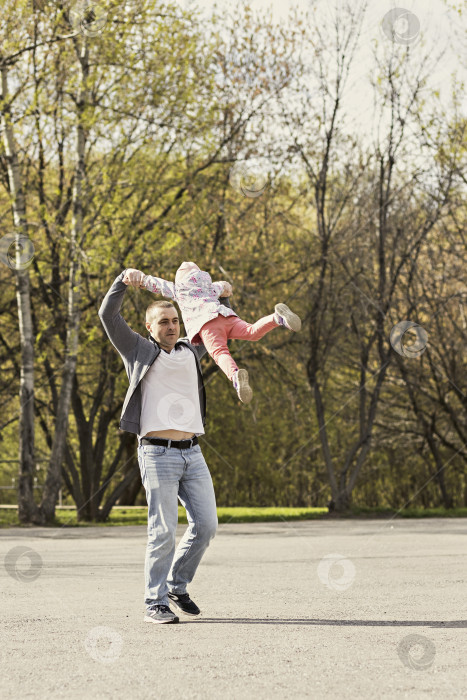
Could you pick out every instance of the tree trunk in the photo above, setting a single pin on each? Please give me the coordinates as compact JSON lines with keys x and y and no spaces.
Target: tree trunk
{"x":132,"y":476}
{"x":27,"y":509}
{"x":132,"y":489}
{"x":53,"y":481}
{"x":429,"y":435}
{"x":342,"y":502}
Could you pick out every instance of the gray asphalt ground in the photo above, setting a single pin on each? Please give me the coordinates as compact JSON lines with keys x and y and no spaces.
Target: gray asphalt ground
{"x":385,"y":617}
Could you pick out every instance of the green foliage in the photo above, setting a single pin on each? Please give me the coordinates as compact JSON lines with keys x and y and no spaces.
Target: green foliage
{"x":170,"y":106}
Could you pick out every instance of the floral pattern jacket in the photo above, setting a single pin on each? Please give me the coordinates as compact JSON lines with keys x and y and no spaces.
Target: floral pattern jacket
{"x":197,"y":297}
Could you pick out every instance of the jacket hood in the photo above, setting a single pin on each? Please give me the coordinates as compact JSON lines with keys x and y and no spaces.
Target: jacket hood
{"x":184,"y":271}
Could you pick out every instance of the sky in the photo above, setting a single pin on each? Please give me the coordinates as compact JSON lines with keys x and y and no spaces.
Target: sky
{"x":438,"y":26}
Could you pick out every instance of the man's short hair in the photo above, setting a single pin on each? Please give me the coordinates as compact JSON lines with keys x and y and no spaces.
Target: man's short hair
{"x":151,"y":310}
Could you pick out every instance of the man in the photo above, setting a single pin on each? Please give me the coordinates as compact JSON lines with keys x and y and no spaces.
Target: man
{"x":165,"y":406}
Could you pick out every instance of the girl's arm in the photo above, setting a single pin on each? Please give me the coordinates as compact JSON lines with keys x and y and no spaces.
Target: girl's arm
{"x":159,"y":286}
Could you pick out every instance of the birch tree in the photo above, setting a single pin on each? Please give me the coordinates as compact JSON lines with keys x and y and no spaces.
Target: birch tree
{"x":27,"y":510}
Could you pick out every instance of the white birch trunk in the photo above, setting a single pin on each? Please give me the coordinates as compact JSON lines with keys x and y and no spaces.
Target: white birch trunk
{"x":53,"y":481}
{"x":27,"y":509}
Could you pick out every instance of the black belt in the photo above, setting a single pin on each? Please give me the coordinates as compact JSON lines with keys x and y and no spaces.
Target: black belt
{"x":179,"y":444}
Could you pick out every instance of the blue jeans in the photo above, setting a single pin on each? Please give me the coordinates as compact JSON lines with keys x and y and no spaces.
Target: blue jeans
{"x":168,"y":472}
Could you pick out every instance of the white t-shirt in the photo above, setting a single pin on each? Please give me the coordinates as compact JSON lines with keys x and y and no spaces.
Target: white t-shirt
{"x":169,"y":394}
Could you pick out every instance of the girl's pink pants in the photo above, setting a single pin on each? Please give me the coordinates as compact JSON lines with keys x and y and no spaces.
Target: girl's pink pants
{"x":215,"y":334}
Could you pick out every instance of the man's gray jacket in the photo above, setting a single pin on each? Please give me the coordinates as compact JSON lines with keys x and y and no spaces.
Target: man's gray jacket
{"x":138,"y":354}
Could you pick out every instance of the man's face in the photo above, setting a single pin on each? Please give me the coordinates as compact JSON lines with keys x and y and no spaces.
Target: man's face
{"x":165,"y":327}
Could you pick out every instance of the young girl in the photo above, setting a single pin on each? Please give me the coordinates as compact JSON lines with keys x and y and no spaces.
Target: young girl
{"x":209,"y":322}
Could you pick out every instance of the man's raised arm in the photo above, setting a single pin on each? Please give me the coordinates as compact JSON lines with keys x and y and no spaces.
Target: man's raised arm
{"x":119,"y":332}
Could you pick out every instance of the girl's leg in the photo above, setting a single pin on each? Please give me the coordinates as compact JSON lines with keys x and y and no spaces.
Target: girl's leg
{"x":214,"y":335}
{"x":241,"y":330}
{"x":283,"y":316}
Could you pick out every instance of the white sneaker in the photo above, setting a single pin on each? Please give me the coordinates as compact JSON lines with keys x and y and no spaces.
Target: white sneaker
{"x":285,"y":317}
{"x":243,"y":389}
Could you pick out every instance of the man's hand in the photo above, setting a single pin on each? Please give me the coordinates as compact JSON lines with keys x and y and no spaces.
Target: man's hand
{"x":134,"y":278}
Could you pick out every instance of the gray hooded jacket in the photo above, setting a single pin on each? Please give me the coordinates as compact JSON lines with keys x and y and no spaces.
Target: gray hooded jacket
{"x":138,"y":354}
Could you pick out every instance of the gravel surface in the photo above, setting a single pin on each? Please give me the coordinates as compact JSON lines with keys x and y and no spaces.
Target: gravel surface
{"x":319,"y":609}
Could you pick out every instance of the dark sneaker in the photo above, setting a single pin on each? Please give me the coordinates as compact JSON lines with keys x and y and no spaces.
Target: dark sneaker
{"x":241,"y":386}
{"x":160,"y":614}
{"x":285,"y":317}
{"x":183,"y":602}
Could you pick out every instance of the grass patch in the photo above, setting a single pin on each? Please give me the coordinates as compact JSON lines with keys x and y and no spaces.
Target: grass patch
{"x":410,"y":512}
{"x":138,"y":516}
